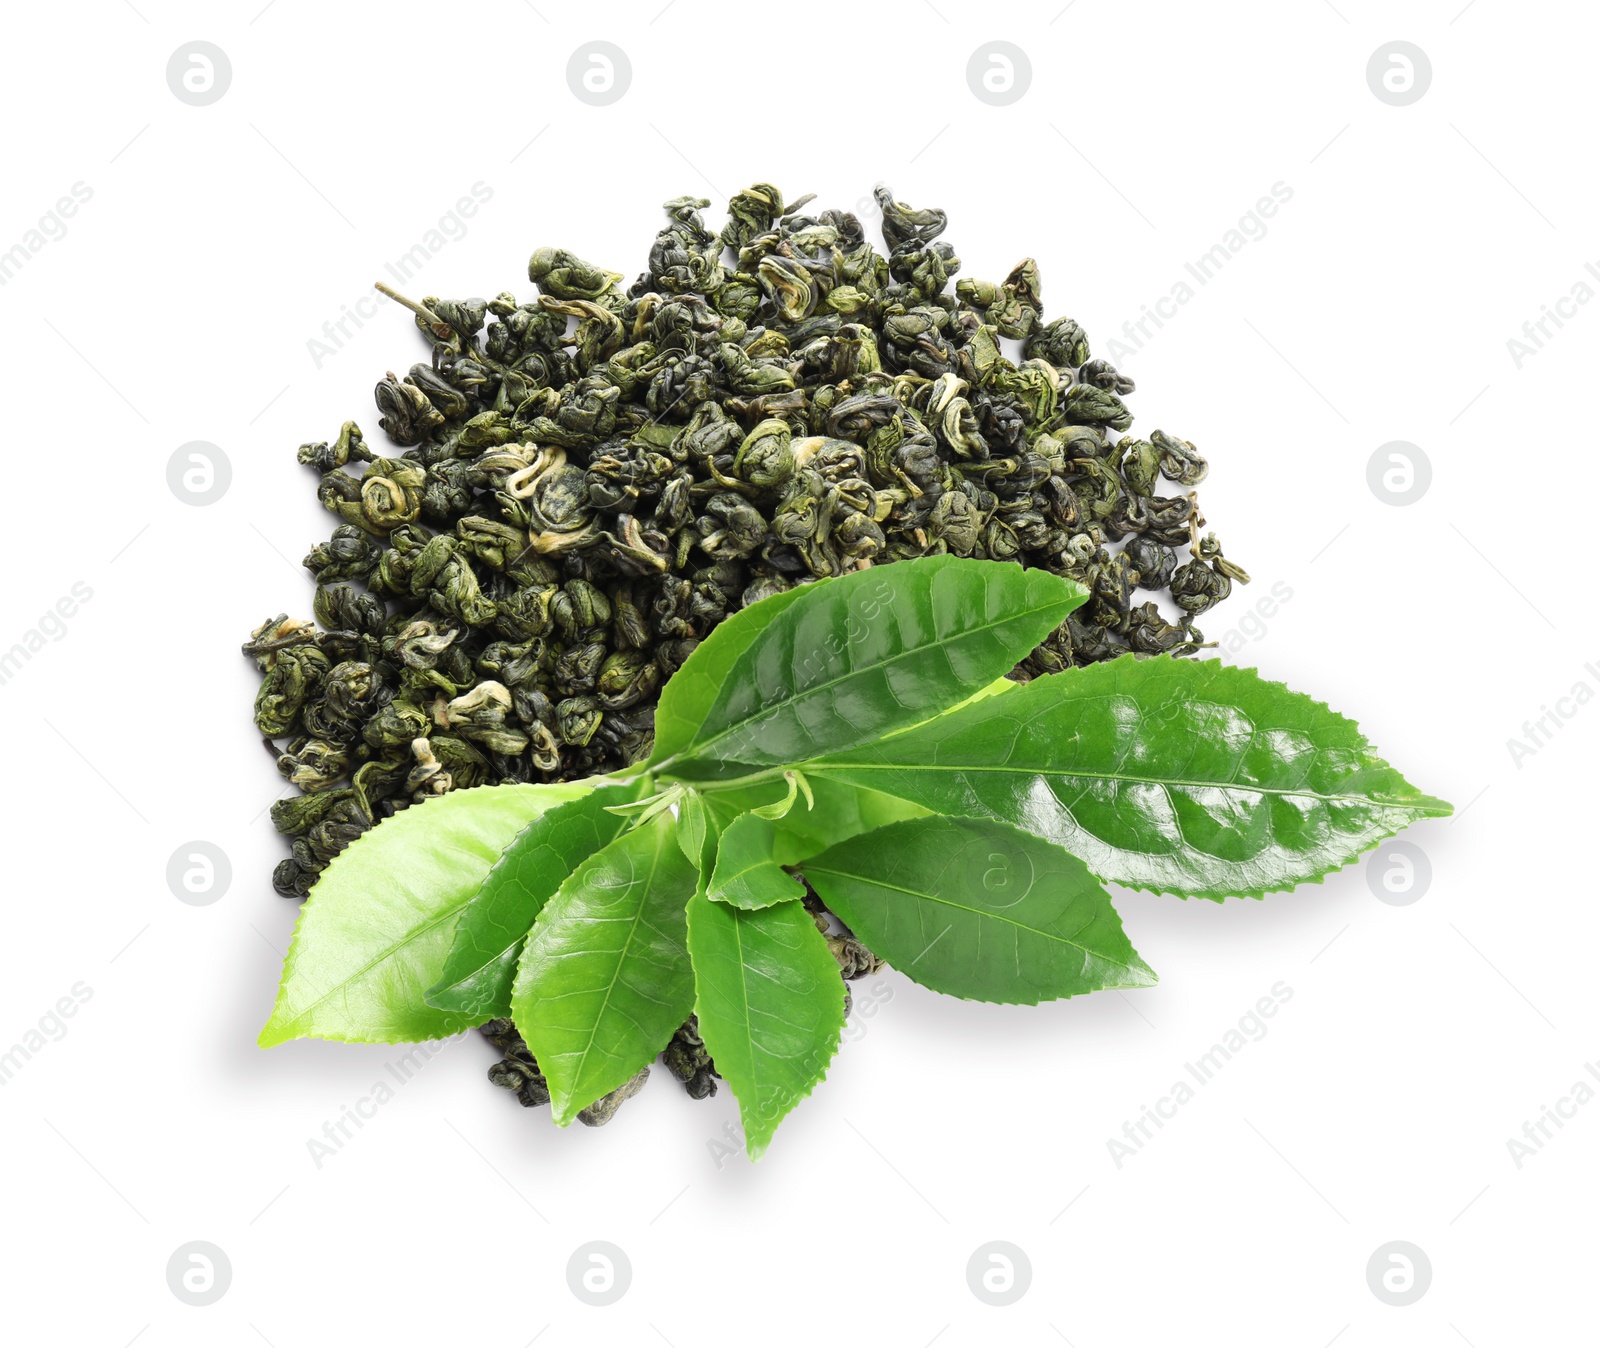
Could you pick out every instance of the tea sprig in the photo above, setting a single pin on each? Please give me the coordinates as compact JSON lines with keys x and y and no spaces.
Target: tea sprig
{"x":844,"y":738}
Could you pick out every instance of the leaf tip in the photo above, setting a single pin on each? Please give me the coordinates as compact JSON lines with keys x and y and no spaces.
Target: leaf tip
{"x":562,"y":1108}
{"x":566,"y":1105}
{"x":1141,"y":975}
{"x":446,"y":997}
{"x":273,"y":1033}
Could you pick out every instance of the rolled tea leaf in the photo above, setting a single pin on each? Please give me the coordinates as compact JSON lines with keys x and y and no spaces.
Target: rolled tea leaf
{"x":770,"y":1005}
{"x":978,"y":909}
{"x":572,"y":490}
{"x":745,"y":875}
{"x":1187,"y":777}
{"x":482,"y":963}
{"x":850,"y":660}
{"x":378,"y":924}
{"x":604,"y":980}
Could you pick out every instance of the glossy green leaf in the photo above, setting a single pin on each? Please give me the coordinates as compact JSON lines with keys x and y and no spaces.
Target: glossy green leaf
{"x":770,"y":1004}
{"x":688,"y":696}
{"x":978,"y":909}
{"x":746,"y":875}
{"x":1194,"y":778}
{"x":851,"y":659}
{"x":376,"y":929}
{"x":838,"y":811}
{"x":694,"y":827}
{"x":604,"y":979}
{"x":482,"y":963}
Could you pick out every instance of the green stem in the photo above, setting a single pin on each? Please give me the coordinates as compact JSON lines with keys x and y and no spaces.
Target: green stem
{"x":735,"y":783}
{"x":631,"y":773}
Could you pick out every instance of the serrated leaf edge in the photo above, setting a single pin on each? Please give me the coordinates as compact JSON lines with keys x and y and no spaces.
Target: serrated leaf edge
{"x":806,"y":1094}
{"x":711,"y":890}
{"x":503,"y":860}
{"x":261,"y":1039}
{"x":562,"y":1117}
{"x":1423,"y":807}
{"x":1417,"y":809}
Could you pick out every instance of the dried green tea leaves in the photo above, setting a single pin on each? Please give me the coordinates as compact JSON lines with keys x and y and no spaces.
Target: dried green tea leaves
{"x":808,"y":581}
{"x":589,"y":480}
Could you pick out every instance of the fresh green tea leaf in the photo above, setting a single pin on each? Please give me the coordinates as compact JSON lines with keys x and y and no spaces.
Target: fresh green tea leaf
{"x":688,"y":696}
{"x":851,"y":659}
{"x":745,"y":875}
{"x":604,"y":979}
{"x":838,"y":811}
{"x":694,"y":827}
{"x":1194,"y":778}
{"x":770,"y":1004}
{"x":482,"y":963}
{"x":378,"y":924}
{"x":797,"y":786}
{"x":978,"y":909}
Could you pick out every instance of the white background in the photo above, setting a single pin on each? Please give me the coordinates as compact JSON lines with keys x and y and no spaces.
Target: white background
{"x":1378,"y":306}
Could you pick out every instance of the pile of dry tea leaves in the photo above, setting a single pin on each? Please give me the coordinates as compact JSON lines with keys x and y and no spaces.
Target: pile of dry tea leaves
{"x":585,"y":483}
